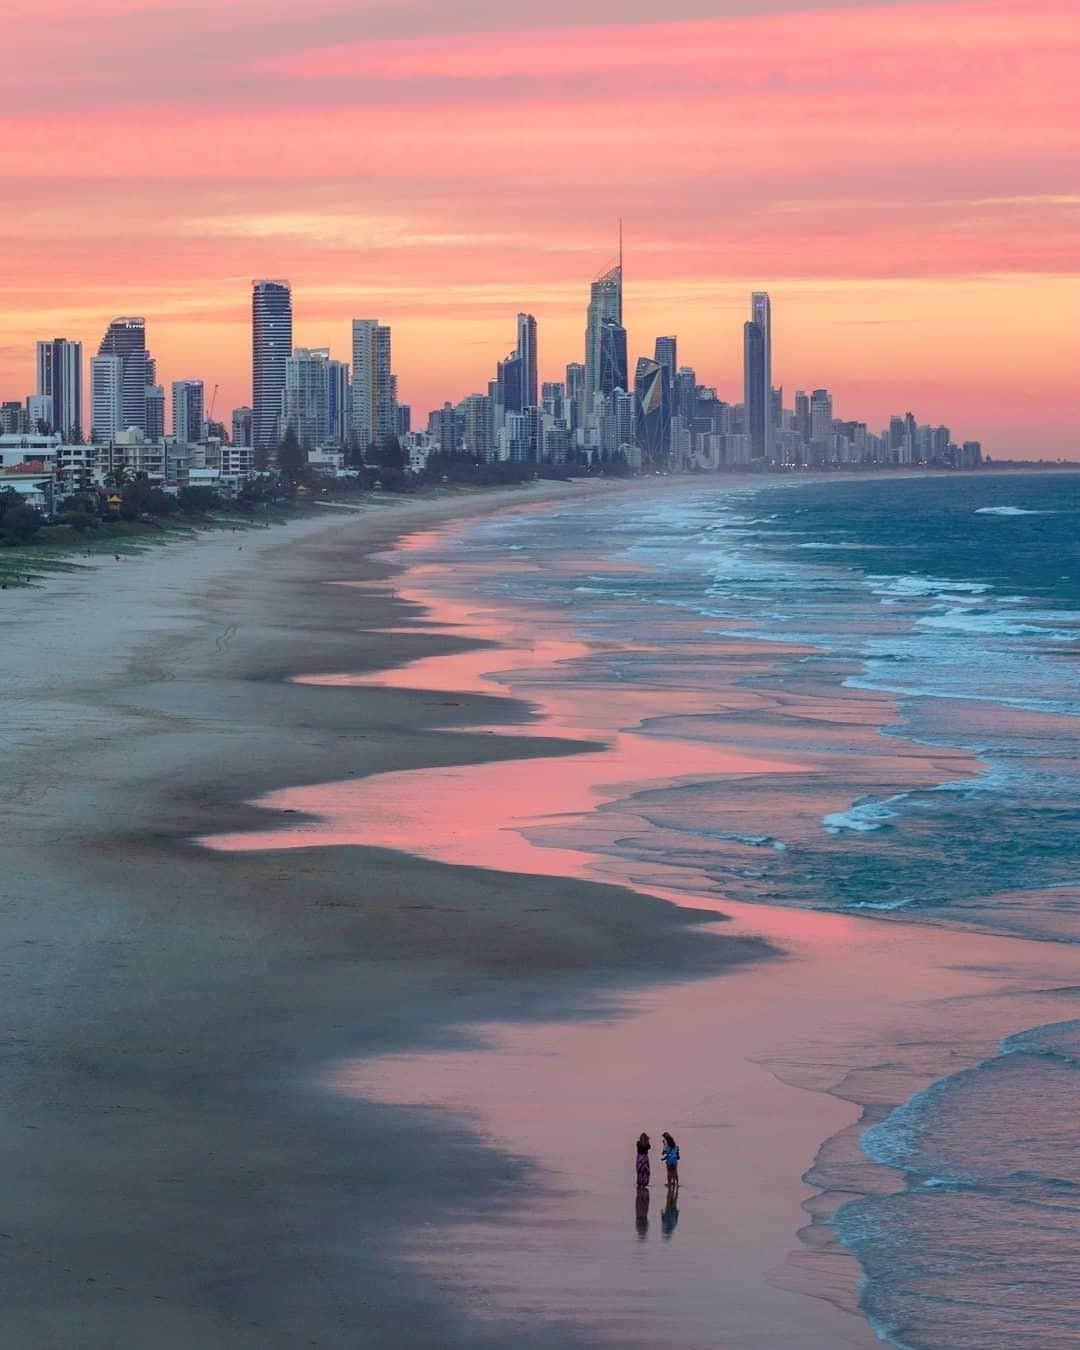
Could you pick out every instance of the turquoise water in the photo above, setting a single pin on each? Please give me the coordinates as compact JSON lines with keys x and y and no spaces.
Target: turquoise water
{"x":959,"y":599}
{"x":959,"y":596}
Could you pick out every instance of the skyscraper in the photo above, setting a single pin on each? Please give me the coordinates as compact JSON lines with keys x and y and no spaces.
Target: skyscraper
{"x":479,"y":439}
{"x":60,"y":375}
{"x":372,"y":387}
{"x":605,"y":306}
{"x":653,"y":410}
{"x":575,"y":394}
{"x":511,"y":380}
{"x":666,"y":356}
{"x":612,"y":365}
{"x":340,"y":401}
{"x":126,"y":338}
{"x":106,"y":398}
{"x":271,"y":344}
{"x":306,"y":409}
{"x":526,"y":349}
{"x":154,"y":423}
{"x":187,"y":410}
{"x":802,"y":415}
{"x":821,"y":424}
{"x":444,"y":427}
{"x":757,"y":376}
{"x":686,"y":393}
{"x":754,"y":404}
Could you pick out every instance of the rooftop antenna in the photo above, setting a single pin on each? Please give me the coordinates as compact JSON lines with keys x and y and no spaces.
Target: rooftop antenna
{"x":620,"y":246}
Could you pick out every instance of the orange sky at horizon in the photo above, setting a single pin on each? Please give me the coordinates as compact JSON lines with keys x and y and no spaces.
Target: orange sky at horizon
{"x":900,"y":177}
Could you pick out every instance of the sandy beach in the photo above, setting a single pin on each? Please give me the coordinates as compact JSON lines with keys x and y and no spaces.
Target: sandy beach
{"x":176,"y":1181}
{"x":303,"y":1016}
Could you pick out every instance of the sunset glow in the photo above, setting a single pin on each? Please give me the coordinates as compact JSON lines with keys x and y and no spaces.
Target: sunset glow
{"x":900,"y":178}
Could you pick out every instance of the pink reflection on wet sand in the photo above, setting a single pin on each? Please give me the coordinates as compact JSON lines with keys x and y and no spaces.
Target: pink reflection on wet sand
{"x":737,"y":1067}
{"x":716,"y":1063}
{"x":473,"y":814}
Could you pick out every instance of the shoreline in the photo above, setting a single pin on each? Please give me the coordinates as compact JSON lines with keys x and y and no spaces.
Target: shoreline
{"x":177,"y":1179}
{"x":835,"y":1168}
{"x":175,"y":1001}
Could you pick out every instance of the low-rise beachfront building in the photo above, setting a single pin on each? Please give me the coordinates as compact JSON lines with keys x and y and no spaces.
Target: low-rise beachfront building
{"x":237,"y":461}
{"x":328,"y":462}
{"x":35,"y":487}
{"x":418,"y":445}
{"x":132,"y":454}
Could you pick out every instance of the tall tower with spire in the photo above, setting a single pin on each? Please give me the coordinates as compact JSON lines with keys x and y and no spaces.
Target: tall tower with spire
{"x":757,"y":376}
{"x":605,"y":308}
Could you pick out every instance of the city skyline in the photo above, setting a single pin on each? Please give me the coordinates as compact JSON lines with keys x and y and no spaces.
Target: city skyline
{"x":665,"y":417}
{"x":360,"y":404}
{"x":907,"y":248}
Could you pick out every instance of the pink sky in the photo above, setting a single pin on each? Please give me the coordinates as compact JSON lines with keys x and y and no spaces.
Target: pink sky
{"x":902,"y":179}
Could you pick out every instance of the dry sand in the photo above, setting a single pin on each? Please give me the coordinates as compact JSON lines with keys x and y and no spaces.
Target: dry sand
{"x":174,"y":1178}
{"x":244,"y":1105}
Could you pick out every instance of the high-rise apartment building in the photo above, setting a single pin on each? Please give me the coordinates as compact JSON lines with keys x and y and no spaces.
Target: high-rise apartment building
{"x":372,"y":382}
{"x":510,"y":379}
{"x":107,"y":398}
{"x":757,"y":376}
{"x":241,"y":428}
{"x":306,"y":409}
{"x":39,"y":413}
{"x":154,"y":422}
{"x":653,"y":410}
{"x":13,"y":419}
{"x":187,"y":411}
{"x":821,"y":420}
{"x":526,"y":350}
{"x":339,"y":395}
{"x":479,"y":430}
{"x":575,"y":393}
{"x":60,"y":375}
{"x":802,"y":415}
{"x":271,"y":345}
{"x":612,"y":359}
{"x":126,"y":338}
{"x":666,"y":356}
{"x":553,"y":400}
{"x":444,"y":428}
{"x":686,"y":393}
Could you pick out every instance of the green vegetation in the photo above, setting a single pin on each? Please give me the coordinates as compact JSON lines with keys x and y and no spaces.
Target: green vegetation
{"x":132,"y":513}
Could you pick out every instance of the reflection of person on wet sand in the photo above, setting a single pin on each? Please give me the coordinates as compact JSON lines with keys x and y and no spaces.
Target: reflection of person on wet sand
{"x":641,"y":1211}
{"x":643,"y":1170}
{"x":670,"y":1217}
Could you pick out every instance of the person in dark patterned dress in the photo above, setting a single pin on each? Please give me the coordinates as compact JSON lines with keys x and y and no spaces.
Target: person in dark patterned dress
{"x":643,"y":1170}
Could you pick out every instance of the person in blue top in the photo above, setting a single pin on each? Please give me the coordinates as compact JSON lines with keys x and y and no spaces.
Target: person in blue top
{"x":670,"y":1155}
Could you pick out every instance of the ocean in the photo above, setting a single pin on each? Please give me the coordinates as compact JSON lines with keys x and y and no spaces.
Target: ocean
{"x":910,"y":643}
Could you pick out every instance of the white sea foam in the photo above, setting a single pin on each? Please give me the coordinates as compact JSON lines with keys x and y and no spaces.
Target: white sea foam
{"x":1009,"y":511}
{"x":993,"y":625}
{"x":920,"y":586}
{"x":864,"y":816}
{"x":881,"y":904}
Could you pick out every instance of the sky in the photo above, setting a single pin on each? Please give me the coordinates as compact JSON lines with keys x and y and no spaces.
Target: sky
{"x":902,"y":178}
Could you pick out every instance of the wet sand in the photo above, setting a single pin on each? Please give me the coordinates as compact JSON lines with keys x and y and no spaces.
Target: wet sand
{"x":176,"y":1175}
{"x":246,"y":1100}
{"x":764,"y":1074}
